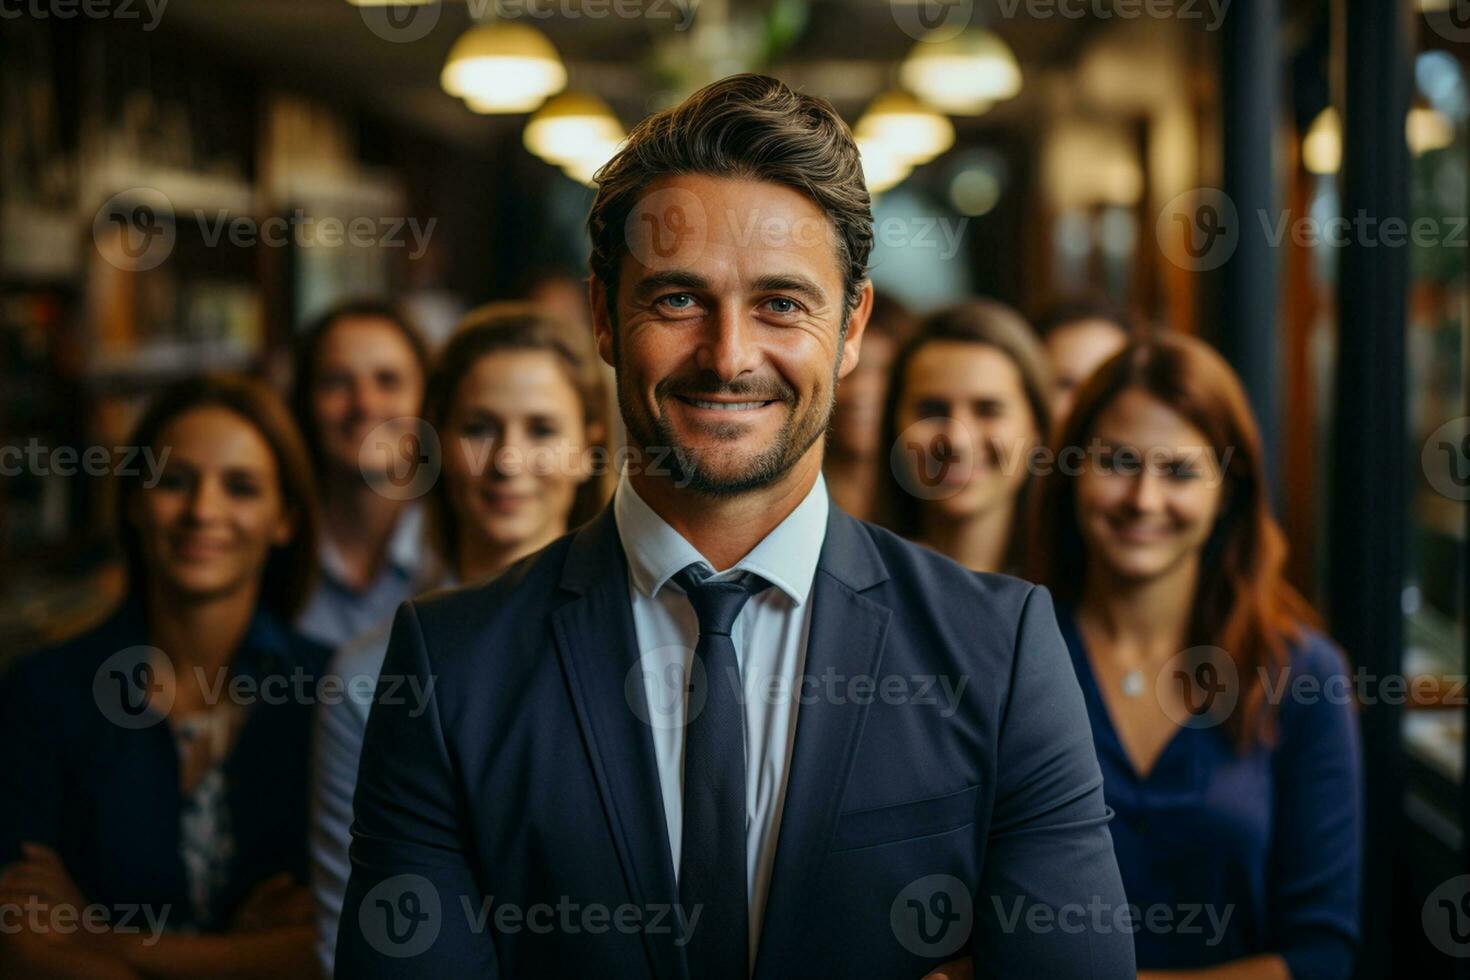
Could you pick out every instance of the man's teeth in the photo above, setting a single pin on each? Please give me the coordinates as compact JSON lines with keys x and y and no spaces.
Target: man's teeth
{"x":726,"y":406}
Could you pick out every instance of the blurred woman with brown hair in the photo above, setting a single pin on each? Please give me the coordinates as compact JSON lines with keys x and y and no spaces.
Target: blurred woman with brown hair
{"x":1236,"y":785}
{"x":968,"y":405}
{"x":518,"y":403}
{"x":155,"y":768}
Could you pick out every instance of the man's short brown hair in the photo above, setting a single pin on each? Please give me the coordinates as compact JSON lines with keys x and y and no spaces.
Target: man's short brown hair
{"x":748,"y":127}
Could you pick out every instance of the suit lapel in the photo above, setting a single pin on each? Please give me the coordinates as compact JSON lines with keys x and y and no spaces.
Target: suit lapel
{"x":618,"y":741}
{"x":846,"y":636}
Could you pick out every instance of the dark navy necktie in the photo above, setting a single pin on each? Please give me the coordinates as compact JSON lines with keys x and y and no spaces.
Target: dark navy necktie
{"x":712,"y":853}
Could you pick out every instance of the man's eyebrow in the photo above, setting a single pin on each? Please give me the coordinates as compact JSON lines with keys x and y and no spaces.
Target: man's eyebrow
{"x":787,"y":283}
{"x":669,"y":279}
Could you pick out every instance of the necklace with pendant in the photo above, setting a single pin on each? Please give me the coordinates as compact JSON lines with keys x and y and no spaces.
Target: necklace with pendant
{"x":1132,"y":683}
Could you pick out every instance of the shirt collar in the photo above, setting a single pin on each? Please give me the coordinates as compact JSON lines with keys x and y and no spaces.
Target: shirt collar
{"x":405,"y":548}
{"x":786,"y":557}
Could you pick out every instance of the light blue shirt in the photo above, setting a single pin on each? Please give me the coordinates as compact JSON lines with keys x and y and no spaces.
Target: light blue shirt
{"x":338,"y":612}
{"x":770,"y":638}
{"x":341,"y":720}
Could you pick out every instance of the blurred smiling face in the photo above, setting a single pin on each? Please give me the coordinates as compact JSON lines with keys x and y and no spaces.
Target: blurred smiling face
{"x":518,"y":448}
{"x":1147,"y":502}
{"x":970,"y":396}
{"x":728,"y":334}
{"x":857,"y":422}
{"x":1076,"y":350}
{"x":366,"y":374}
{"x":207,"y":528}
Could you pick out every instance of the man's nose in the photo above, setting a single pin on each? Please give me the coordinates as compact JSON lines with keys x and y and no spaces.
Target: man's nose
{"x":728,"y":347}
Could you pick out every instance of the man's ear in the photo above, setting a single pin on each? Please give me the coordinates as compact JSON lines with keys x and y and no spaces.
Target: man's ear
{"x":601,"y":320}
{"x":857,"y":322}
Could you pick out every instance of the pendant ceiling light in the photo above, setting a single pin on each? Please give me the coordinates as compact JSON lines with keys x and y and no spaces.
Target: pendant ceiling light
{"x":1322,"y":146}
{"x":573,"y":126}
{"x":963,"y":75}
{"x":902,"y":125}
{"x":1426,"y":129}
{"x":503,"y":66}
{"x":882,"y":168}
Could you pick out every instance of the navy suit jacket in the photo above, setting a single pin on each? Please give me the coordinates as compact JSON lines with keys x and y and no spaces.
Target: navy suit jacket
{"x":511,"y":823}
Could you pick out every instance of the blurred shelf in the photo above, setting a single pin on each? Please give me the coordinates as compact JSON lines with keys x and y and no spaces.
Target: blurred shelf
{"x":185,"y":190}
{"x":163,"y":361}
{"x":39,"y":245}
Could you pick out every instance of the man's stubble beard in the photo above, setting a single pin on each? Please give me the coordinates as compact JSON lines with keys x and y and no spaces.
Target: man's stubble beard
{"x":655,"y":436}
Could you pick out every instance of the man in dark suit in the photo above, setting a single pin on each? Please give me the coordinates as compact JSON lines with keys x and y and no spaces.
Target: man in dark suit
{"x":725,"y":729}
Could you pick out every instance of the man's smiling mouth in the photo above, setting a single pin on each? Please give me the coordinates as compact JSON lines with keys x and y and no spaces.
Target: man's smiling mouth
{"x":724,"y":406}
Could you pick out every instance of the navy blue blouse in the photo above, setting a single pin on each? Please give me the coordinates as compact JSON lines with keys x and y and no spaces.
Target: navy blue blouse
{"x":106,"y":796}
{"x":1259,"y":851}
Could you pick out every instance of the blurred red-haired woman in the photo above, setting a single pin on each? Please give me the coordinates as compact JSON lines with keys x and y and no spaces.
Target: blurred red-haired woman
{"x":1236,"y":789}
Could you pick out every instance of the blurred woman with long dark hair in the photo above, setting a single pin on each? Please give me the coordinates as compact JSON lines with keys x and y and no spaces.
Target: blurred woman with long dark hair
{"x":968,"y":404}
{"x":1236,"y":793}
{"x":155,"y":768}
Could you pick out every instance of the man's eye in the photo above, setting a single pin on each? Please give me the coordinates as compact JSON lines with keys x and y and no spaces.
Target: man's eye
{"x":677,"y":301}
{"x":780,"y":304}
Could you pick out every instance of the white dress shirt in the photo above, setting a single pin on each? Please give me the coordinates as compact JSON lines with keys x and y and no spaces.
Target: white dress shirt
{"x":770,"y":637}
